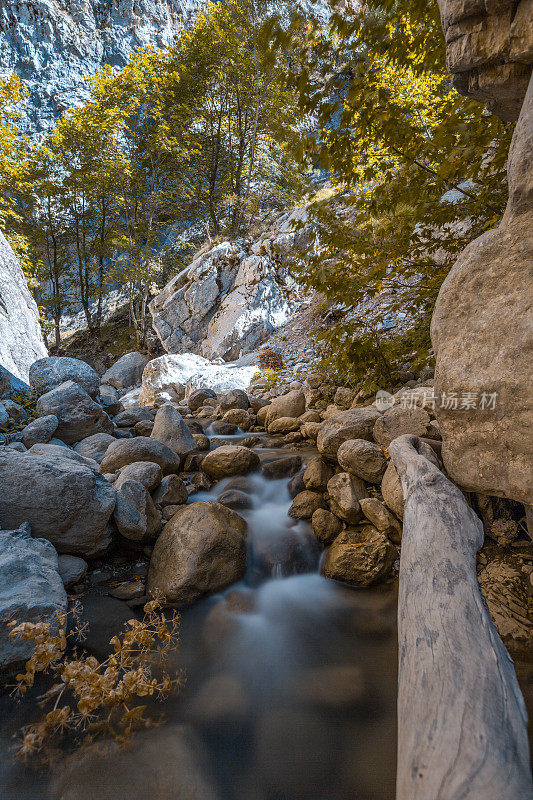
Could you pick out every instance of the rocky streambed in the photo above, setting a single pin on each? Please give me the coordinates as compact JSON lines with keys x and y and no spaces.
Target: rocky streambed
{"x":273,"y":520}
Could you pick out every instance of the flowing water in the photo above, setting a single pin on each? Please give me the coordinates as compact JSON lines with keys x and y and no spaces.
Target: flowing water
{"x":291,"y":682}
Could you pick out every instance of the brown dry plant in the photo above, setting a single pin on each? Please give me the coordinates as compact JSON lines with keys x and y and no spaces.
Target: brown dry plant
{"x":94,"y":699}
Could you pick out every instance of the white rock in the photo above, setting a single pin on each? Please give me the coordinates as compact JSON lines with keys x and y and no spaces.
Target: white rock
{"x":21,"y":341}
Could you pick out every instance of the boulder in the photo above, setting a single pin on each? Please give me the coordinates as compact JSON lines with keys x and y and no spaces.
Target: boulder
{"x":168,"y":758}
{"x":21,"y":340}
{"x":290,"y":405}
{"x":284,"y":425}
{"x":344,"y":397}
{"x":127,"y":372}
{"x":146,"y":472}
{"x":230,"y":460}
{"x":363,"y":459}
{"x":198,"y":397}
{"x":79,"y":416}
{"x":94,"y":446}
{"x":397,"y":421}
{"x":311,"y":430}
{"x":200,"y":551}
{"x":135,"y":514}
{"x":110,"y":400}
{"x":142,"y":448}
{"x":391,"y":489}
{"x":381,"y":518}
{"x":221,"y":428}
{"x":170,"y":429}
{"x":31,"y":590}
{"x":232,"y":498}
{"x":296,"y":484}
{"x":305,"y":504}
{"x":66,"y":502}
{"x":132,"y":415}
{"x":159,"y":384}
{"x":47,"y":374}
{"x":359,"y":556}
{"x":357,"y":423}
{"x":480,"y":328}
{"x":317,"y":474}
{"x":326,"y":526}
{"x":40,"y":430}
{"x":282,"y":467}
{"x":505,"y":591}
{"x":344,"y":491}
{"x":72,"y":569}
{"x":239,"y":417}
{"x":52,"y":450}
{"x":172,"y":492}
{"x":234,"y":398}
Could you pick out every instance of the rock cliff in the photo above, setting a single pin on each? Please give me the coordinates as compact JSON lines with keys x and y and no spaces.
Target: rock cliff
{"x":53,"y":45}
{"x":481,"y":328}
{"x":21,"y":341}
{"x":231,"y":297}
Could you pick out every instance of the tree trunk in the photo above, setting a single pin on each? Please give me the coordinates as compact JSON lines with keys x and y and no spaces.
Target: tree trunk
{"x":462,"y":724}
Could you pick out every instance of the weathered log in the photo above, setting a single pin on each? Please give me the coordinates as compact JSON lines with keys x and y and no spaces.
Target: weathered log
{"x":462,"y":723}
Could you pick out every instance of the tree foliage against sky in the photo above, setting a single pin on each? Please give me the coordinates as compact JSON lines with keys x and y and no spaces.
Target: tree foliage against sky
{"x":418,"y":171}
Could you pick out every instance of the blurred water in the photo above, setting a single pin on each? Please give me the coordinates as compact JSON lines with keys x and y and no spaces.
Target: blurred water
{"x":291,"y":682}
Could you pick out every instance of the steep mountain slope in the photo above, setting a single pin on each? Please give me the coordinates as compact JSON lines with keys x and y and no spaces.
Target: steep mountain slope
{"x":53,"y":45}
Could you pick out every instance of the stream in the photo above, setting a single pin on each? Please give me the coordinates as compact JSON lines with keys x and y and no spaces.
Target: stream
{"x":291,"y":681}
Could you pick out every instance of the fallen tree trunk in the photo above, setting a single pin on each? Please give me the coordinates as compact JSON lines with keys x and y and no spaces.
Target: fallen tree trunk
{"x":462,"y":724}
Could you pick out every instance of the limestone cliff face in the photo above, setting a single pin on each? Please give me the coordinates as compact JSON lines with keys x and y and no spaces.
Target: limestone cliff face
{"x":489,"y":49}
{"x":21,"y":341}
{"x":53,"y":44}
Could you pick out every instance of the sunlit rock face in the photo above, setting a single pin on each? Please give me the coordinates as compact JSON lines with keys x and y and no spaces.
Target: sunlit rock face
{"x":21,"y":341}
{"x":53,"y":45}
{"x":232,"y":296}
{"x":489,"y":50}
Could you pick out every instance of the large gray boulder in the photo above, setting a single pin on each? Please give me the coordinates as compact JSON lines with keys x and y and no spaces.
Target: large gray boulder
{"x":200,"y":551}
{"x":397,"y":421}
{"x":21,"y":341}
{"x":481,"y":332}
{"x":79,"y":416}
{"x":94,"y":446}
{"x":170,"y":428}
{"x":223,"y":304}
{"x":126,"y":372}
{"x":126,"y":451}
{"x":48,"y":373}
{"x":363,"y":459}
{"x":357,"y":423}
{"x":40,"y":430}
{"x":64,"y":501}
{"x":31,"y":590}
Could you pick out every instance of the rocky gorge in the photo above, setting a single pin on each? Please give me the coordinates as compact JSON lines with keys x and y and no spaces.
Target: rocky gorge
{"x":348,"y":565}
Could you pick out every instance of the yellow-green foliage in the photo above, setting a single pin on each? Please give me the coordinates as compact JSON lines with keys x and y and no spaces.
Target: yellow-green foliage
{"x":91,"y":698}
{"x":396,"y":137}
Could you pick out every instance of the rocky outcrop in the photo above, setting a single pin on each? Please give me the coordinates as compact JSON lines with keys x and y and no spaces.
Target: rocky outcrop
{"x":489,"y":50}
{"x":21,"y":341}
{"x":231,"y":297}
{"x":31,"y":590}
{"x":483,"y":344}
{"x":480,"y":327}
